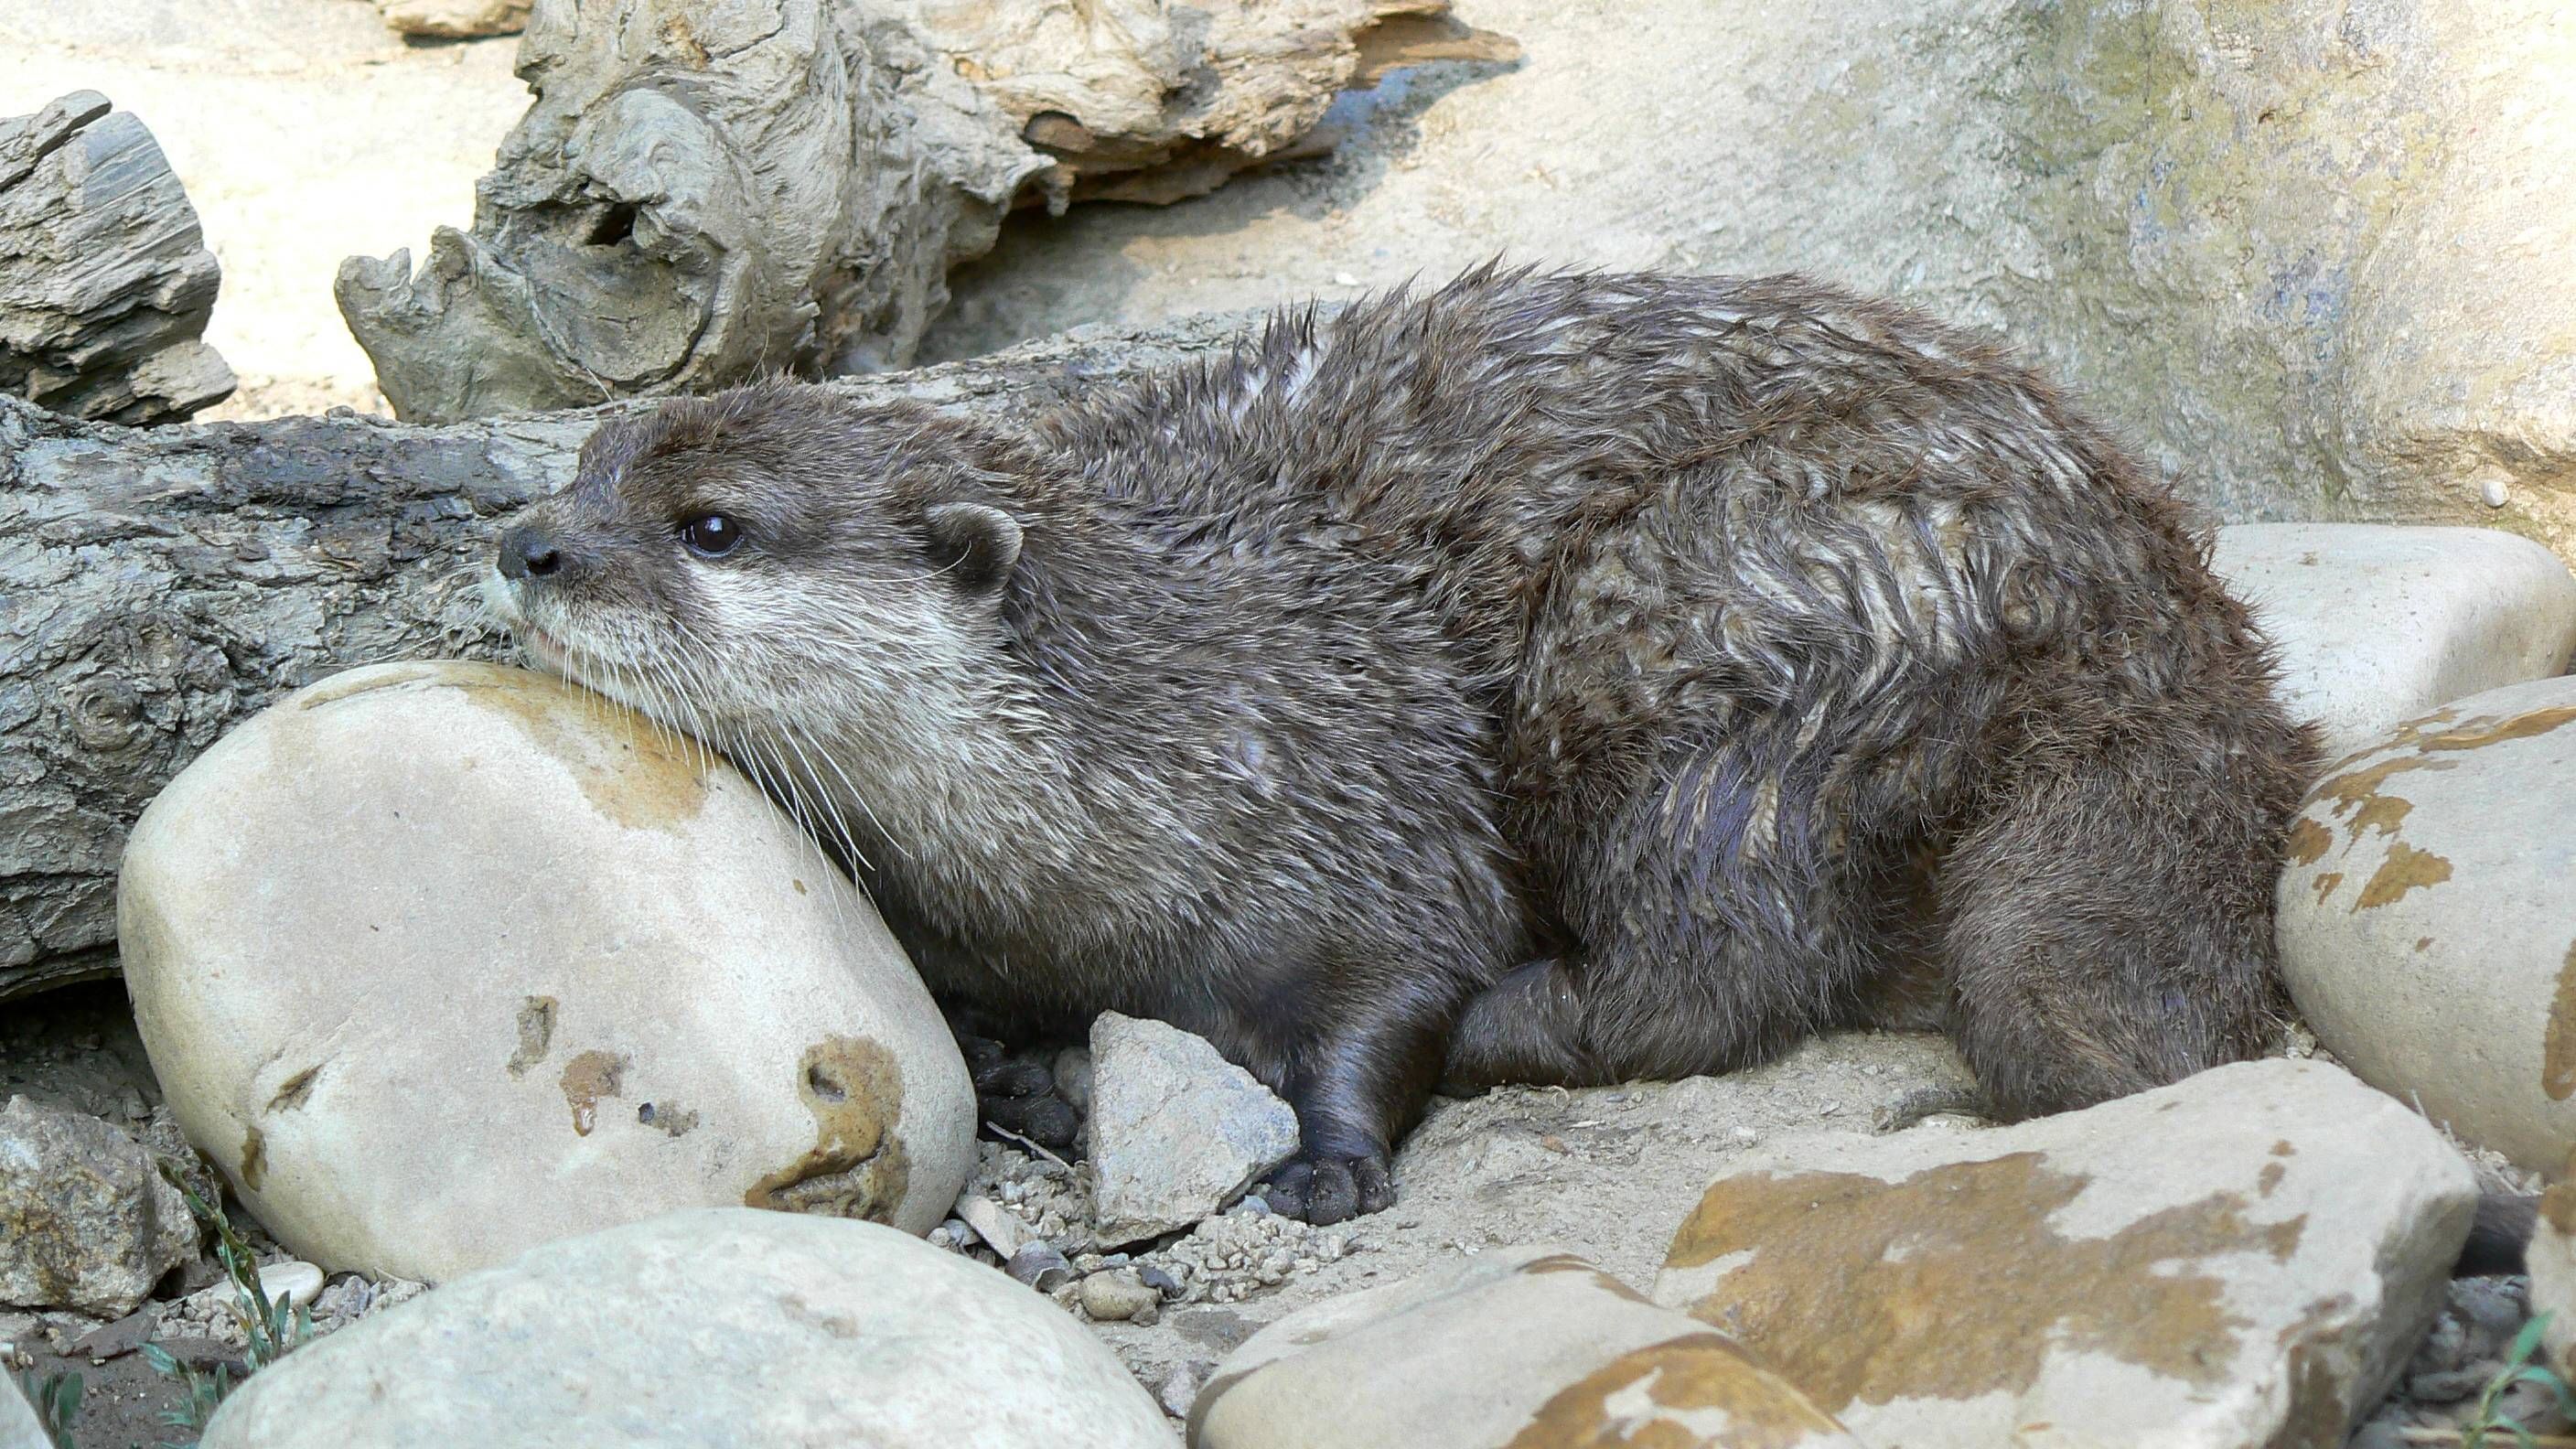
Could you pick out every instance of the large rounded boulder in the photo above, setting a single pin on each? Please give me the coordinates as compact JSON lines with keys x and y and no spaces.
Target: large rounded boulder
{"x":706,"y":1329}
{"x":441,"y":961}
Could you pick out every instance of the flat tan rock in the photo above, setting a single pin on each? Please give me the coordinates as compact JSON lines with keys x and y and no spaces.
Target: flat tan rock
{"x":1520,"y":1348}
{"x":2428,"y":917}
{"x":2244,"y":1258}
{"x":441,"y":961}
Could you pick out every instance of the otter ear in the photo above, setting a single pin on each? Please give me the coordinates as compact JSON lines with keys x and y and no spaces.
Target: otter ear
{"x":973,"y":543}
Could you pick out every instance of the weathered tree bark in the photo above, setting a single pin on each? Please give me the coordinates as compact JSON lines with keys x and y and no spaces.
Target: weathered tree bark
{"x":105,"y":280}
{"x":158,"y":586}
{"x":709,"y":189}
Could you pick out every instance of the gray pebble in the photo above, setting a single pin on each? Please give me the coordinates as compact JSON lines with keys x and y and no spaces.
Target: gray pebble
{"x":1004,"y":1231}
{"x":295,"y":1284}
{"x":1040,"y":1266}
{"x":1161,"y":1281}
{"x":1119,"y":1297}
{"x":2449,"y":1386}
{"x":1180,"y":1387}
{"x":1073,"y":1078}
{"x":2495,"y":1307}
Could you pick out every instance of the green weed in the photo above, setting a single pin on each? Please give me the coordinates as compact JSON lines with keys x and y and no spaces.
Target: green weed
{"x":56,"y":1398}
{"x":270,"y":1330}
{"x":2488,"y":1417}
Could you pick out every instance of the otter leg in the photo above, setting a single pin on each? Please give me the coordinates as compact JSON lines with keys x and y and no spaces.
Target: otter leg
{"x":1527,"y":1027}
{"x":2109,"y":924}
{"x":1357,"y":1088}
{"x":1718,"y":922}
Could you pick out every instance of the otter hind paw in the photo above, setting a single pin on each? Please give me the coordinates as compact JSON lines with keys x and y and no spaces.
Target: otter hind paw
{"x":1324,"y":1188}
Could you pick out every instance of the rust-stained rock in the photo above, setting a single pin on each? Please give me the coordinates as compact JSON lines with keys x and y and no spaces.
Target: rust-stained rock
{"x":711,"y":1329}
{"x":2428,"y":916}
{"x":1522,"y":1348}
{"x":2243,"y":1258}
{"x":441,"y":961}
{"x":2379,"y":623}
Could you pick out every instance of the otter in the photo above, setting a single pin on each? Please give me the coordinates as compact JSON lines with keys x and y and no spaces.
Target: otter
{"x":1553,"y":678}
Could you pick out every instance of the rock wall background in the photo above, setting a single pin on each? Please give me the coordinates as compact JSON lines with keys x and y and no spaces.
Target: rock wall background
{"x":2312,"y":256}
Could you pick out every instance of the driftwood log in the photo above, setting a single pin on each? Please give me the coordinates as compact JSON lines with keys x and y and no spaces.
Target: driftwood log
{"x":708,"y":189}
{"x":158,"y":586}
{"x":1155,"y":101}
{"x":105,"y":280}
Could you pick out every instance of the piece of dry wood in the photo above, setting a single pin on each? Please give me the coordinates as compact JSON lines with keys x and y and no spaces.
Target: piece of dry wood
{"x":1150,"y":101}
{"x":158,"y":586}
{"x":105,"y":280}
{"x":704,"y":190}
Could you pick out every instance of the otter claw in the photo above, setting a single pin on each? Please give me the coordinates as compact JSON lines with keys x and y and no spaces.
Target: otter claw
{"x":1324,"y":1189}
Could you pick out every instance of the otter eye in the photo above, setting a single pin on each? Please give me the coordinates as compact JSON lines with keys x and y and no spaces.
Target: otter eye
{"x":711,"y":534}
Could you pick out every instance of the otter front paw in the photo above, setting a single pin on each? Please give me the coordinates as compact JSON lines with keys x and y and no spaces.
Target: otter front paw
{"x":1324,"y":1188}
{"x":1016,"y":1093}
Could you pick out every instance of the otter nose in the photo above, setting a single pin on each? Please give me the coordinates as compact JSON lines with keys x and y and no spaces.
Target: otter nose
{"x":527,"y":553}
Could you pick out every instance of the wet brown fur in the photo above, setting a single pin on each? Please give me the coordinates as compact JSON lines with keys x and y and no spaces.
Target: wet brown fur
{"x":1553,"y":679}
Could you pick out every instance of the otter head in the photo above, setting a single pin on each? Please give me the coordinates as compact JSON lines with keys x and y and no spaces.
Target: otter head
{"x":770,"y":568}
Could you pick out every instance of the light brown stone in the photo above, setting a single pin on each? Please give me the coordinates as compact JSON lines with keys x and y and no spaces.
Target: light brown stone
{"x":712,"y":1329}
{"x":455,"y":19}
{"x":442,"y":961}
{"x":1521,"y":1348}
{"x":2245,"y":1257}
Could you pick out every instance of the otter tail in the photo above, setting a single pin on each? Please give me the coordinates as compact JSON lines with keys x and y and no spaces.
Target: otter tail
{"x":2500,"y":1239}
{"x":2107,"y":913}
